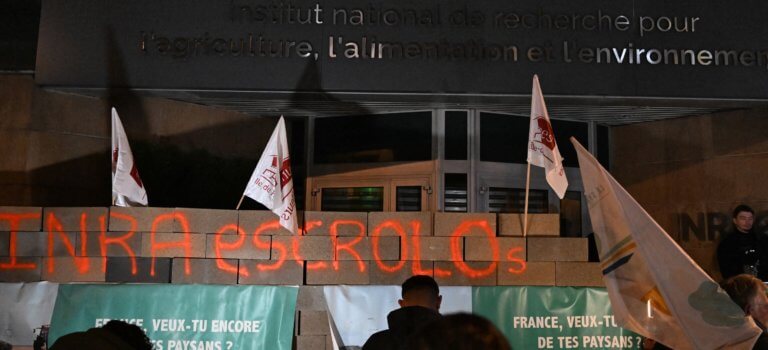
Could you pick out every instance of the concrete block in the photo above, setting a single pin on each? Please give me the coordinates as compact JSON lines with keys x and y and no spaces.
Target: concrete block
{"x":557,"y":249}
{"x":538,"y":225}
{"x":141,"y":219}
{"x":202,"y":271}
{"x":471,"y":273}
{"x":312,"y":342}
{"x":481,"y":248}
{"x":338,"y":272}
{"x":311,"y":298}
{"x":399,"y":223}
{"x":236,"y":246}
{"x":571,"y":273}
{"x":120,"y":269}
{"x":75,"y":218}
{"x":434,"y":249}
{"x":204,"y":220}
{"x":313,"y":323}
{"x":325,"y":223}
{"x":387,"y":248}
{"x":66,"y":269}
{"x":396,"y":272}
{"x":24,"y":270}
{"x":535,"y":274}
{"x":468,"y":224}
{"x":21,"y":218}
{"x":288,"y":272}
{"x":172,"y":245}
{"x":36,"y":243}
{"x":115,"y":244}
{"x":5,"y":243}
{"x":302,"y":247}
{"x":266,"y":222}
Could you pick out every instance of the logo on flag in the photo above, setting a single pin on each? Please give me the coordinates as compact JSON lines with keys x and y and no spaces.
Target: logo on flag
{"x":127,"y":188}
{"x":543,"y":137}
{"x":542,"y":148}
{"x":271,"y":183}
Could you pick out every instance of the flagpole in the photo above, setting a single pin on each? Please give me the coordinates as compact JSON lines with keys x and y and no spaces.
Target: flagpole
{"x":525,"y":212}
{"x":240,"y":202}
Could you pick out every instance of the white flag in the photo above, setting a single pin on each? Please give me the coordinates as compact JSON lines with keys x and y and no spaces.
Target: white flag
{"x":272,"y":183}
{"x":656,"y":290}
{"x":542,"y":148}
{"x":127,"y":188}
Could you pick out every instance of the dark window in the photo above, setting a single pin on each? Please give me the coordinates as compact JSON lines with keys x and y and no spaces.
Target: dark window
{"x":397,"y":137}
{"x":503,"y":138}
{"x":353,"y":199}
{"x":563,"y":131}
{"x":512,"y":200}
{"x":408,"y":198}
{"x":455,"y":195}
{"x":19,"y":23}
{"x":603,"y":146}
{"x":176,"y":170}
{"x":296,"y":137}
{"x":456,"y":135}
{"x":570,"y":214}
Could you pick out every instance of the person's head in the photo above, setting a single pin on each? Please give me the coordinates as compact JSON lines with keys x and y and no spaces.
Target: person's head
{"x":749,"y":293}
{"x":743,"y":218}
{"x":131,"y":334}
{"x":5,"y":346}
{"x":460,"y":331}
{"x":421,"y":290}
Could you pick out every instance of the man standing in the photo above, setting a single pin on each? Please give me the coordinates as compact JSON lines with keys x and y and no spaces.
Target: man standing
{"x":743,"y":251}
{"x":419,"y":306}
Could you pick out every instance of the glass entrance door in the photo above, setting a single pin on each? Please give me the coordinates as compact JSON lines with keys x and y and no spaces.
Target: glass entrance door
{"x":372,"y":195}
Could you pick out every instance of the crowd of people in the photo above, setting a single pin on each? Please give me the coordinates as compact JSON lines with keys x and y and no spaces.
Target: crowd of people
{"x":743,"y":260}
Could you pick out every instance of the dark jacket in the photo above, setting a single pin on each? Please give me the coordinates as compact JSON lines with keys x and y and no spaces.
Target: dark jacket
{"x":403,"y":323}
{"x":739,"y":250}
{"x":762,"y":342}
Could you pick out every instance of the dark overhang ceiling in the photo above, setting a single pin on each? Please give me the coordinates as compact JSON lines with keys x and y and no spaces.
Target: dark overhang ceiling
{"x":609,"y":111}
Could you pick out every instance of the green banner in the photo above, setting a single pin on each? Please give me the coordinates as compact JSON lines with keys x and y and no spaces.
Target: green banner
{"x":183,"y":316}
{"x":553,"y":317}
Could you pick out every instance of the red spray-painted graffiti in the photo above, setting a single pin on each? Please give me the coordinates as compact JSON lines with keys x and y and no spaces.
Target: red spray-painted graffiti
{"x":347,"y":246}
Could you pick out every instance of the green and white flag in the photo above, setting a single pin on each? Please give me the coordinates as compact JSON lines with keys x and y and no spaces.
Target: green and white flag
{"x":655,"y":288}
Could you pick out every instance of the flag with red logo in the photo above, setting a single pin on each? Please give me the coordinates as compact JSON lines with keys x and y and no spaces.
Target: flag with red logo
{"x":127,"y":188}
{"x":542,"y":148}
{"x":656,"y":289}
{"x":272,"y":183}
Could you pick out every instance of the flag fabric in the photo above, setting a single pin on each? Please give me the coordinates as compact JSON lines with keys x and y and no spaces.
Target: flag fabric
{"x":542,"y":148}
{"x":655,"y":289}
{"x":272,"y":183}
{"x":127,"y":188}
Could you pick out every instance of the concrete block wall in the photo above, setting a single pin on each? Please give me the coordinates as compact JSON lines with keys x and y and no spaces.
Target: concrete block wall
{"x":180,"y":245}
